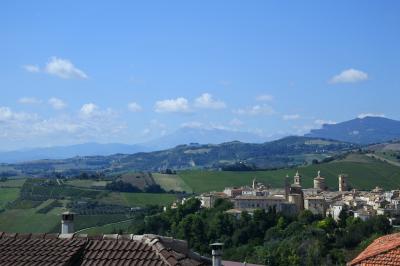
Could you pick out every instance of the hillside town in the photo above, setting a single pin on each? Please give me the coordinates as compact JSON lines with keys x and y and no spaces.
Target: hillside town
{"x":320,"y":200}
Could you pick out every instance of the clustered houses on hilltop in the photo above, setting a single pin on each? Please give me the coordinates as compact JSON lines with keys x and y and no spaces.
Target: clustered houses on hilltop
{"x":319,"y":200}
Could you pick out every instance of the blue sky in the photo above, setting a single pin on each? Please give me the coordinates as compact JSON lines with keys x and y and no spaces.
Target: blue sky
{"x":130,"y":71}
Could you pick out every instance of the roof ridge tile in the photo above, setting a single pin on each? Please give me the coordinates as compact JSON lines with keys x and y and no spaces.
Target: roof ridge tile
{"x":381,"y":245}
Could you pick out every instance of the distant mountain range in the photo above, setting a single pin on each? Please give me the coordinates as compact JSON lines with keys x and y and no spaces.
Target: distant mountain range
{"x":185,"y":135}
{"x":366,"y":130}
{"x":64,"y":152}
{"x":286,"y":152}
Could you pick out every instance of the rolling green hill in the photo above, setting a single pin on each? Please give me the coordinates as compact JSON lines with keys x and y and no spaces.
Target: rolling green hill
{"x":363,"y":173}
{"x":286,"y":152}
{"x":35,"y":205}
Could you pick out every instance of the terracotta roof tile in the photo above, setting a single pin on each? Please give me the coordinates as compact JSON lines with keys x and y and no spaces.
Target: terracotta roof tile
{"x":383,"y":251}
{"x":57,"y":249}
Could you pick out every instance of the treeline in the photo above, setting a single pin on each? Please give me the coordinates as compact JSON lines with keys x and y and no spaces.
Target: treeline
{"x":239,"y":167}
{"x":121,"y":186}
{"x":40,"y":190}
{"x":266,"y":238}
{"x":93,"y":207}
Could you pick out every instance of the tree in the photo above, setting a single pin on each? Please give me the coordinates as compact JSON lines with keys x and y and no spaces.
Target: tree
{"x":122,"y":186}
{"x":381,"y":224}
{"x":343,"y":215}
{"x":154,"y":188}
{"x":306,"y":217}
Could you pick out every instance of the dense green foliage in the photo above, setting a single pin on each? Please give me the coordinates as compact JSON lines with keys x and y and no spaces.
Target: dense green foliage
{"x":93,"y":207}
{"x":266,"y":237}
{"x":122,"y":186}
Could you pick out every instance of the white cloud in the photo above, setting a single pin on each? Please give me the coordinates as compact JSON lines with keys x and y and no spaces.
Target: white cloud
{"x":300,"y":130}
{"x":7,"y":115}
{"x":134,"y":107}
{"x":321,"y":122}
{"x":57,"y":103}
{"x":172,"y":105}
{"x":207,"y":101}
{"x":63,"y":68}
{"x":291,"y":117}
{"x":146,"y":132}
{"x":88,"y":109}
{"x":32,"y":68}
{"x":192,"y":124}
{"x":29,"y":100}
{"x":21,"y":129}
{"x":206,"y":126}
{"x":154,"y":129}
{"x":265,"y":98}
{"x":154,"y":123}
{"x":364,"y":115}
{"x":349,"y":76}
{"x":236,"y":122}
{"x":255,"y":110}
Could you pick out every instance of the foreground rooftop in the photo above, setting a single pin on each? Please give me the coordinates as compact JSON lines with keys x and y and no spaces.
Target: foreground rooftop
{"x":76,"y":249}
{"x":384,"y":250}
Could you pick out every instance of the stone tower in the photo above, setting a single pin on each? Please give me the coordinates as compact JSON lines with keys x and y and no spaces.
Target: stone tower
{"x":287,"y":187}
{"x":297,"y":179}
{"x":342,"y":183}
{"x":319,"y":182}
{"x":296,"y":195}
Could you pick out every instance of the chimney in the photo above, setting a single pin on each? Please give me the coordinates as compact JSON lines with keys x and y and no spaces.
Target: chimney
{"x":217,"y":254}
{"x":67,"y":223}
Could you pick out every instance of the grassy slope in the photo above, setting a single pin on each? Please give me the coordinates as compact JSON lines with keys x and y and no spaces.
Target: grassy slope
{"x":139,"y":199}
{"x":86,"y":183}
{"x":107,"y":229}
{"x":364,"y":173}
{"x":16,"y":183}
{"x":28,"y":221}
{"x":8,"y":195}
{"x":171,"y":182}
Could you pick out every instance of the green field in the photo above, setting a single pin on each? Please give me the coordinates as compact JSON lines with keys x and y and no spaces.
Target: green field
{"x":363,"y":172}
{"x":171,"y":182}
{"x":108,"y":228}
{"x":87,"y":183}
{"x":86,"y":221}
{"x":18,"y":182}
{"x":29,"y":221}
{"x":8,"y":195}
{"x":34,"y":212}
{"x":139,"y":199}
